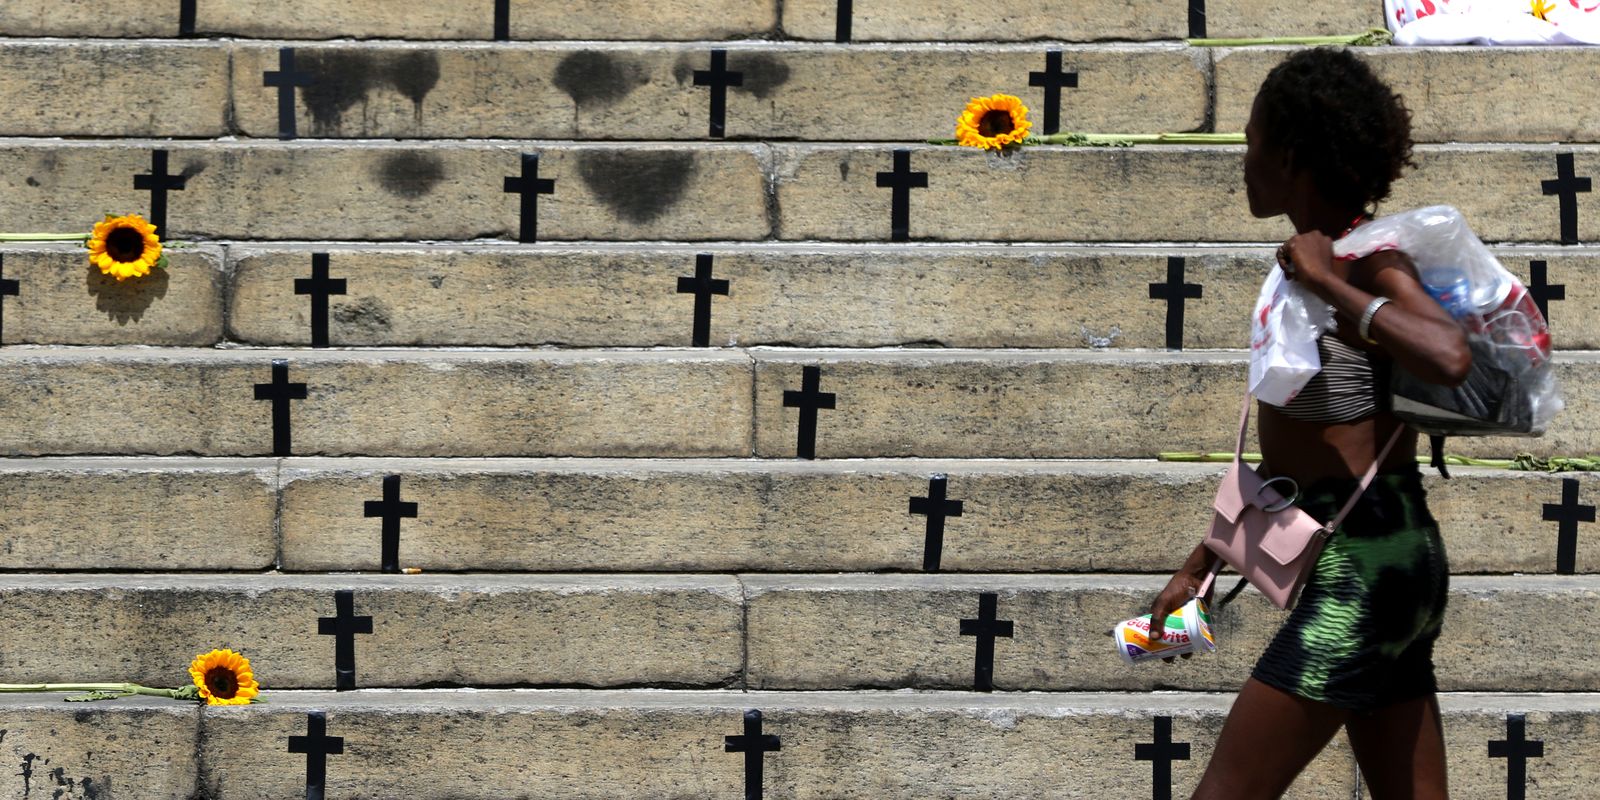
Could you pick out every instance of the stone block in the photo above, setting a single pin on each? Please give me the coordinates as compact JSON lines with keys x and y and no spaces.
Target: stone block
{"x":146,"y":514}
{"x":132,"y":747}
{"x":845,"y":746}
{"x":474,"y":403}
{"x":178,"y":306}
{"x":903,"y":631}
{"x":806,"y":92}
{"x":389,"y":190}
{"x":113,"y":89}
{"x":476,"y":630}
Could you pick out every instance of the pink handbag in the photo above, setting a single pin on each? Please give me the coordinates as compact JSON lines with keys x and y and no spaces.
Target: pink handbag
{"x":1262,"y":534}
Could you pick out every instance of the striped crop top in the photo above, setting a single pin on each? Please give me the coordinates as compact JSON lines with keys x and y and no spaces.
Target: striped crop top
{"x":1347,"y":389}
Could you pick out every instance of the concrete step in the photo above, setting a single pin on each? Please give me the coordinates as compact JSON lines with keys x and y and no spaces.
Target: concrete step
{"x":892,"y":20}
{"x":451,"y":745}
{"x":101,"y":88}
{"x":373,"y":190}
{"x":660,"y":403}
{"x":63,"y":299}
{"x":904,"y":631}
{"x":426,"y":630}
{"x":173,"y":401}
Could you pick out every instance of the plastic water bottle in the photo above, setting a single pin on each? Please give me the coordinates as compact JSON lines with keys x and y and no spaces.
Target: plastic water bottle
{"x":1450,"y":287}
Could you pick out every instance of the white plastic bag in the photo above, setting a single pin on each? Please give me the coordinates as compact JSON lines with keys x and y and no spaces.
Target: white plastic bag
{"x":1283,"y":338}
{"x":1492,"y":22}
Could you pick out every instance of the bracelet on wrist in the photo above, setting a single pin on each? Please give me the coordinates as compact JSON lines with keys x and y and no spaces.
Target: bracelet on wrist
{"x":1366,"y":319}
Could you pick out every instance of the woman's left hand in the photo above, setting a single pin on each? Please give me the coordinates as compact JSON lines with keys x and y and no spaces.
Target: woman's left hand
{"x":1308,"y":258}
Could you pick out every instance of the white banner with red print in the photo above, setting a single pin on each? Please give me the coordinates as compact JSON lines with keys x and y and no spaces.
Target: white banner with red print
{"x":1505,"y":22}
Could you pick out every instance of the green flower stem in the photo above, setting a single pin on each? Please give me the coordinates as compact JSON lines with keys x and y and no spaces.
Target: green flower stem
{"x":44,"y":237}
{"x":1372,"y":37}
{"x":103,"y":690}
{"x":1073,"y":139}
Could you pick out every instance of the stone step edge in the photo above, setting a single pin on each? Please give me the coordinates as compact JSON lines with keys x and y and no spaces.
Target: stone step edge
{"x":964,"y":247}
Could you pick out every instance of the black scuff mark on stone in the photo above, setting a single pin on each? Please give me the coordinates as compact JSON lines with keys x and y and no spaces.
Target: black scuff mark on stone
{"x":762,"y":74}
{"x":192,"y":168}
{"x":27,"y":772}
{"x":844,"y":170}
{"x":32,"y":181}
{"x":346,"y":78}
{"x":367,"y":314}
{"x":410,"y":174}
{"x":436,"y":280}
{"x":593,"y":78}
{"x":638,"y":185}
{"x":91,"y":790}
{"x":683,"y":71}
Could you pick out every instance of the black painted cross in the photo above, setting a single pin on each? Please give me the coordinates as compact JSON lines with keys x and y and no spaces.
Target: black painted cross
{"x":755,"y":746}
{"x":280,"y":392}
{"x":841,"y":31}
{"x":319,"y":286}
{"x":902,"y":180}
{"x":1053,"y":80}
{"x":986,"y":627}
{"x":186,"y":18}
{"x":1197,"y":19}
{"x":1569,"y":513}
{"x":1516,"y":750}
{"x":808,"y":399}
{"x":1175,"y":292}
{"x":1542,"y":290}
{"x":702,"y":286}
{"x":530,"y":186}
{"x":936,"y":507}
{"x":286,"y":79}
{"x":1568,"y":186}
{"x":317,"y":745}
{"x":392,"y":510}
{"x":158,"y":183}
{"x":343,"y":627}
{"x":1161,"y":753}
{"x":502,"y":20}
{"x":8,"y":288}
{"x":719,"y":79}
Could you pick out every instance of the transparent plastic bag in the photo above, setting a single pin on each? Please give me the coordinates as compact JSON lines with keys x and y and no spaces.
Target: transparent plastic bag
{"x":1511,"y":390}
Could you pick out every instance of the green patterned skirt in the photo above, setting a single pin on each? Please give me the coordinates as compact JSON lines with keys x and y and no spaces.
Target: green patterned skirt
{"x":1361,"y":636}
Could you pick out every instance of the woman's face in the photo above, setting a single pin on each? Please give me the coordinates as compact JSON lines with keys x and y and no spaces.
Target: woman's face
{"x":1266,"y":173}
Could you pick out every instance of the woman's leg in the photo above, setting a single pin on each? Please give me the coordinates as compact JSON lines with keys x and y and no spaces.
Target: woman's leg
{"x":1270,"y":736}
{"x":1401,"y":750}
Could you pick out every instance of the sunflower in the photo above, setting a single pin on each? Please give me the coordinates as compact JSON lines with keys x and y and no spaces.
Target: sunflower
{"x":224,"y":678}
{"x":125,"y":247}
{"x":1541,"y":9}
{"x":993,"y":122}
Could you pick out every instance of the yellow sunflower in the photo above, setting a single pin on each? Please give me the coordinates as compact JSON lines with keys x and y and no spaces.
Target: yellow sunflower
{"x":125,"y":247}
{"x":1542,"y":9}
{"x":224,"y":678}
{"x":993,"y":122}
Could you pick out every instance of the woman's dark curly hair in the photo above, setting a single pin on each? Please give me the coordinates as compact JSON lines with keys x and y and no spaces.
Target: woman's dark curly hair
{"x":1338,"y":120}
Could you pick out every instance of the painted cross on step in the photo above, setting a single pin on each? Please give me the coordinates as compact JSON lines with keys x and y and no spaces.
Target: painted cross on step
{"x":1567,"y":186}
{"x":902,"y":180}
{"x":1516,"y":750}
{"x":392,"y":510}
{"x":317,"y":745}
{"x":1161,"y":753}
{"x":719,"y":79}
{"x":1053,"y":80}
{"x":702,"y":286}
{"x":936,"y":508}
{"x":755,"y":745}
{"x":841,"y":31}
{"x":286,"y":79}
{"x":320,"y":287}
{"x":280,"y":392}
{"x":186,"y":18}
{"x":1542,"y":290}
{"x":808,"y":399}
{"x":502,"y":20}
{"x":1175,"y":292}
{"x":986,"y":628}
{"x":158,"y":183}
{"x":1197,"y":19}
{"x":8,"y":288}
{"x":343,"y":627}
{"x":530,"y":186}
{"x":1569,"y":513}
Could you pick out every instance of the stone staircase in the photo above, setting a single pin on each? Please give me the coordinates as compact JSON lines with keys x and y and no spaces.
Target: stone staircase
{"x":621,"y":576}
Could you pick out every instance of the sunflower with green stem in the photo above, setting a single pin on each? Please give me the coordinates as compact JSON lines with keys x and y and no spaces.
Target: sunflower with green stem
{"x":123,"y":247}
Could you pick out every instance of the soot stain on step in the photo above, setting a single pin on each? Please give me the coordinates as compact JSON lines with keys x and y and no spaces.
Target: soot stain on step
{"x":344,"y":78}
{"x":590,"y":77}
{"x":762,"y":74}
{"x":638,"y":186}
{"x":367,"y":314}
{"x":410,"y":174}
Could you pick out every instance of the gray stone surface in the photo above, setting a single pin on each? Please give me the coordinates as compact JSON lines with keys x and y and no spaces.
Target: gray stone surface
{"x":378,"y":190}
{"x":783,"y":516}
{"x":1159,"y":193}
{"x":132,"y":747}
{"x":477,"y":630}
{"x":380,"y":19}
{"x":145,"y":514}
{"x":1059,"y":404}
{"x":894,"y":631}
{"x":63,"y":299}
{"x":634,"y":91}
{"x":80,"y":88}
{"x":641,"y":744}
{"x":1455,"y":94}
{"x":416,"y":403}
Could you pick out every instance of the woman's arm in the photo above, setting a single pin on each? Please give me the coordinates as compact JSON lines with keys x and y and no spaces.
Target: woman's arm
{"x":1413,"y":328}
